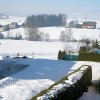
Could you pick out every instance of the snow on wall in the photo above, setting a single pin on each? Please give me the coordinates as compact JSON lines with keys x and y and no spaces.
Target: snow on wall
{"x":72,"y":79}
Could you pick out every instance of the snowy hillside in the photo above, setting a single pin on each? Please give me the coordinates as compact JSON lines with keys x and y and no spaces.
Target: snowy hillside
{"x":77,"y":33}
{"x":18,"y":19}
{"x":55,"y":32}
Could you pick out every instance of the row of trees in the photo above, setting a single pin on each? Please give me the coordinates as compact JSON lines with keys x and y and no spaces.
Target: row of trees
{"x":67,"y":35}
{"x":33,"y":34}
{"x":35,"y":21}
{"x":46,"y":20}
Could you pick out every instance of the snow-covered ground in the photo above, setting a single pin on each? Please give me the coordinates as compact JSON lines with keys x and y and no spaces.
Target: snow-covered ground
{"x":11,"y":19}
{"x":92,"y":94}
{"x":42,"y":72}
{"x":47,"y":50}
{"x":55,"y":32}
{"x":77,"y":33}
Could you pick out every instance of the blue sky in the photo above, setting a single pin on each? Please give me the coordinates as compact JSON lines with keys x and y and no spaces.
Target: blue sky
{"x":70,"y":7}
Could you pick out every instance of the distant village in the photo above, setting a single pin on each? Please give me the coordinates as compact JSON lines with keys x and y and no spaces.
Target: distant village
{"x":71,"y":24}
{"x":7,"y":27}
{"x":85,"y":24}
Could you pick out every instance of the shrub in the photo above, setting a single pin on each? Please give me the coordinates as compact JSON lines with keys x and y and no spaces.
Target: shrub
{"x":89,"y":57}
{"x":25,"y":57}
{"x":61,"y":55}
{"x":83,"y":49}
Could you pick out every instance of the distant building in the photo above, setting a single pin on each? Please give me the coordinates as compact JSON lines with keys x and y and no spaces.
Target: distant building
{"x":73,"y":23}
{"x":23,"y":25}
{"x":89,"y":24}
{"x":13,"y":25}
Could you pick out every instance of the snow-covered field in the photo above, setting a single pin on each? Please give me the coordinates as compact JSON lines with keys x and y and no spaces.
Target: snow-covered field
{"x":77,"y":33}
{"x":47,"y":50}
{"x":55,"y":32}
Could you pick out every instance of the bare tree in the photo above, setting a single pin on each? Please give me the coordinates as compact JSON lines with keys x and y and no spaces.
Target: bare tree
{"x":32,"y":33}
{"x":42,"y":36}
{"x":8,"y":35}
{"x":47,"y":37}
{"x":62,"y":36}
{"x":68,"y":38}
{"x":68,"y":35}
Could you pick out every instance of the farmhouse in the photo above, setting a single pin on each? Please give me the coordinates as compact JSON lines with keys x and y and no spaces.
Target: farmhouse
{"x":89,"y":24}
{"x":13,"y":25}
{"x":73,"y":23}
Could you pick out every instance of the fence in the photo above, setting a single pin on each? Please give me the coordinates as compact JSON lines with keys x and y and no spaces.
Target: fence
{"x":71,"y":57}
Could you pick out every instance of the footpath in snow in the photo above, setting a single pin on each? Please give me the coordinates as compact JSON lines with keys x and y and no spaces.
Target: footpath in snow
{"x":90,"y":95}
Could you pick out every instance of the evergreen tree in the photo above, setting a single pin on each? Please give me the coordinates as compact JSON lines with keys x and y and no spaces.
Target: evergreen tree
{"x":46,"y":20}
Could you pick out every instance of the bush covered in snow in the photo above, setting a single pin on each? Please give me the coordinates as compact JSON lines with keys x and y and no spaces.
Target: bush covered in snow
{"x":68,"y":88}
{"x":90,"y":53}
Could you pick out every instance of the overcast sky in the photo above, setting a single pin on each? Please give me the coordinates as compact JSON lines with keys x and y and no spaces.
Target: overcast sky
{"x":74,"y":8}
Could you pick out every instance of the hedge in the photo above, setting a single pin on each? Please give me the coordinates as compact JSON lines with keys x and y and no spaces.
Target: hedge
{"x":89,"y":57}
{"x":67,"y":89}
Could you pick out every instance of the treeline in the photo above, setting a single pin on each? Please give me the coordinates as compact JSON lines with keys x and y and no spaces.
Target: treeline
{"x":46,"y":20}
